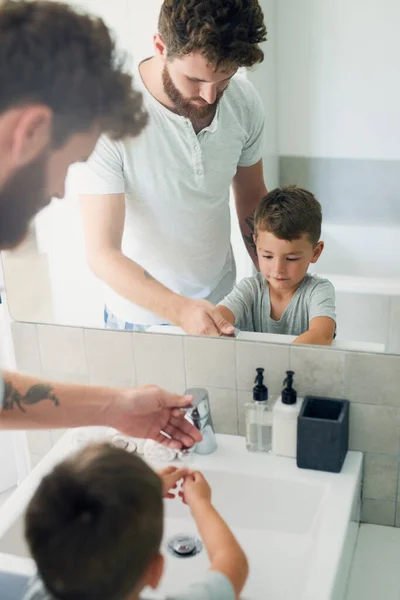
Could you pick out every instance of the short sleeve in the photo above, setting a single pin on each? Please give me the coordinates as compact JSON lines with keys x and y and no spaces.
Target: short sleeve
{"x":253,"y":149}
{"x":240,"y":302}
{"x":215,"y":586}
{"x":322,"y":300}
{"x":104,"y":171}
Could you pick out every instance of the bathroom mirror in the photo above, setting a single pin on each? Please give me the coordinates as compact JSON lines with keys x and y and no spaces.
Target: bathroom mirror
{"x":331,"y":95}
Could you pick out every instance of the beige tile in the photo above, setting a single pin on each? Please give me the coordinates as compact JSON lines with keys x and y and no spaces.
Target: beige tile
{"x":380,"y":476}
{"x":36,"y":459}
{"x":56,"y":377}
{"x":274,"y":358}
{"x":62,"y":349}
{"x":373,"y":378}
{"x":56,"y":434}
{"x":374,"y":429}
{"x":109,"y":356}
{"x":378,"y":512}
{"x":394,"y":326}
{"x":159,"y":360}
{"x":39,"y":441}
{"x":210,"y":362}
{"x":318,"y":371}
{"x":26,"y":347}
{"x":224,"y":410}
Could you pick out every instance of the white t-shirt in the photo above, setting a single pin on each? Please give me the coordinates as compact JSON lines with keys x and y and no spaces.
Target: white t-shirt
{"x":176,"y":185}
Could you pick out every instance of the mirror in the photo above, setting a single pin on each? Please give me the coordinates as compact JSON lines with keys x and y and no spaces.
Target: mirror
{"x":332,"y":122}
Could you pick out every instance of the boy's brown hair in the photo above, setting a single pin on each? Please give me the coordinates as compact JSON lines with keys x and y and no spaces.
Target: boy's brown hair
{"x":53,"y":55}
{"x":94,"y":524}
{"x":227,"y":33}
{"x":289,"y":212}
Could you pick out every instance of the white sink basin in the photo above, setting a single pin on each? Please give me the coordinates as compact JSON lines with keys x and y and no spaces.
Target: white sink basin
{"x":297,"y":527}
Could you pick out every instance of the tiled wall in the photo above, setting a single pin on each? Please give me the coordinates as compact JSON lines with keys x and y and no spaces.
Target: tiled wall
{"x":227,"y":368}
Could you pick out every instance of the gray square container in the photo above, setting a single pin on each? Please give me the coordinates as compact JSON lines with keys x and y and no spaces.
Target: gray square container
{"x":323,"y":434}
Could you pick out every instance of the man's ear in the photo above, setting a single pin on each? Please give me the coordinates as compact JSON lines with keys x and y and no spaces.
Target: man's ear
{"x":159,"y":46}
{"x":317,"y":252}
{"x":32,"y":134}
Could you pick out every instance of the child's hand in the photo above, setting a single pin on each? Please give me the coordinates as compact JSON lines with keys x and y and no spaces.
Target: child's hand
{"x":170,"y":477}
{"x":195,"y":487}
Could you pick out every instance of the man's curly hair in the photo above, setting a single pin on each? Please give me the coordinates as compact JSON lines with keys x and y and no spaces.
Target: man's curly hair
{"x":227,"y":32}
{"x":52,"y":54}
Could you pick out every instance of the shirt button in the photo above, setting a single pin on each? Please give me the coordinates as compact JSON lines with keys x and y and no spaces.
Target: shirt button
{"x":199,"y":171}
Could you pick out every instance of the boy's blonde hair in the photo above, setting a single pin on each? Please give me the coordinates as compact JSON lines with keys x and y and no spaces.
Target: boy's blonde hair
{"x":289,"y":212}
{"x":94,"y":524}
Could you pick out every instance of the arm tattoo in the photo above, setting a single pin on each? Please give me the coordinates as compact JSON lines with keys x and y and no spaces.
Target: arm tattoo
{"x":35,"y":394}
{"x":248,"y":238}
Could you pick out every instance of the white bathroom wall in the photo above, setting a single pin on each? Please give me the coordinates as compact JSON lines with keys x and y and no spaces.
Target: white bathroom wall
{"x":338,"y":83}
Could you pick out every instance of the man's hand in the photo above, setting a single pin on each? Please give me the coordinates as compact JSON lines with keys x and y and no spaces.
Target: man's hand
{"x":200,"y":317}
{"x":170,"y":477}
{"x":149,"y":412}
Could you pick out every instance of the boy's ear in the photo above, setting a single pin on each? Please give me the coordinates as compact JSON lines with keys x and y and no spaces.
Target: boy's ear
{"x":317,"y":252}
{"x":154,"y":572}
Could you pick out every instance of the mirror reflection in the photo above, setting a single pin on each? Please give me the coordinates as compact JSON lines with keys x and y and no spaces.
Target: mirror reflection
{"x":174,"y":230}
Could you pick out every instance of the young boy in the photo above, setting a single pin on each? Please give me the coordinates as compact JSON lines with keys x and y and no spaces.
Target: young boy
{"x":95,"y":525}
{"x":283,"y":298}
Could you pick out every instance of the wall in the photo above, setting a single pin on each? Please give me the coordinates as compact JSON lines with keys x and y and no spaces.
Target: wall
{"x":338,"y":99}
{"x":227,"y":367}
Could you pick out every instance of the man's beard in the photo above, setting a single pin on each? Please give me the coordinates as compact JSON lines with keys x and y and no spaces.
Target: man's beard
{"x":21,"y":197}
{"x":186,"y":107}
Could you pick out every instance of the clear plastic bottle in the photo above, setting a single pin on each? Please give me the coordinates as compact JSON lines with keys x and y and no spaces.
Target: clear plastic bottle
{"x":259,"y":418}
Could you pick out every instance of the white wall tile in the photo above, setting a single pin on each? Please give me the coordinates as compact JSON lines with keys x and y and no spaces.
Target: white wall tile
{"x":210,"y":362}
{"x":224,"y":410}
{"x":373,"y":379}
{"x":26,"y":347}
{"x":109,"y":356}
{"x":394,"y":326}
{"x":159,"y":360}
{"x":273,"y":358}
{"x":374,"y":429}
{"x":39,"y":441}
{"x":318,"y":371}
{"x":62,"y":349}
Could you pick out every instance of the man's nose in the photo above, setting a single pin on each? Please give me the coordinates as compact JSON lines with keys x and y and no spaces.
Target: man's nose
{"x":209,"y":93}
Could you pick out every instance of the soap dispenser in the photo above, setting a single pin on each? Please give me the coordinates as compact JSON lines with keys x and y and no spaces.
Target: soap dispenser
{"x":284,"y":420}
{"x":258,"y":418}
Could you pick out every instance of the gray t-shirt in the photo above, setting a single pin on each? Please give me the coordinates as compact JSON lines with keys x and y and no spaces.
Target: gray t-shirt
{"x":249,"y":301}
{"x":214,"y":586}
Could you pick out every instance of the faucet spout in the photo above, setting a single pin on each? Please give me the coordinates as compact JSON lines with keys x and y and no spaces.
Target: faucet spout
{"x":200,"y":415}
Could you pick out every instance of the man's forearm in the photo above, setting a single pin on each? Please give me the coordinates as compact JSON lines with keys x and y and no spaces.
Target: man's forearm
{"x":247,"y":230}
{"x":135,"y":284}
{"x":245,"y":210}
{"x":31,"y":403}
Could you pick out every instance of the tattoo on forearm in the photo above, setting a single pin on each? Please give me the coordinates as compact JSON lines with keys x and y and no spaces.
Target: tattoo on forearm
{"x":35,"y":394}
{"x":248,"y":237}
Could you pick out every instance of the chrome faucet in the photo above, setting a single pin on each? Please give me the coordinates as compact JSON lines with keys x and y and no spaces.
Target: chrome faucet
{"x":199,"y":414}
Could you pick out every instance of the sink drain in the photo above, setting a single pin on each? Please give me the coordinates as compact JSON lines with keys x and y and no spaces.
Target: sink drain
{"x":184,"y":546}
